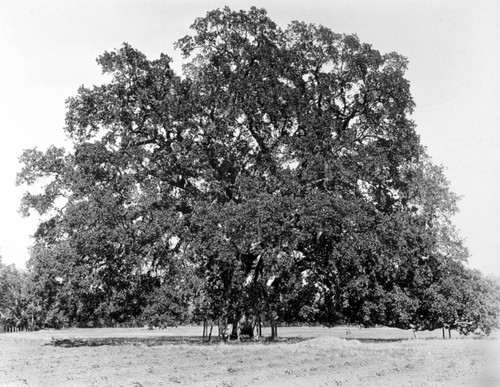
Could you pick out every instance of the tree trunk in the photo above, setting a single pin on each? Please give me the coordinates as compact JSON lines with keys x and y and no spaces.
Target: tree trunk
{"x":210,"y":334}
{"x":234,"y":331}
{"x":449,"y":333}
{"x":444,"y":336}
{"x":274,"y":331}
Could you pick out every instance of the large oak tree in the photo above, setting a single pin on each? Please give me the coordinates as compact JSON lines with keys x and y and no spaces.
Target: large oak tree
{"x":280,"y":175}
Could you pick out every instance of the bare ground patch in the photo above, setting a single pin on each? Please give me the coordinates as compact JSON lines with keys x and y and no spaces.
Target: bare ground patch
{"x":131,"y":358}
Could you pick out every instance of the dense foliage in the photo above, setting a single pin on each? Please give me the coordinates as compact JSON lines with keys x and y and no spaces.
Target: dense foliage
{"x":16,"y":304}
{"x":280,"y":176}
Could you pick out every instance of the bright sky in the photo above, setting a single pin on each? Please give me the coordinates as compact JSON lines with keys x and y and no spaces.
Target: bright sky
{"x":49,"y":49}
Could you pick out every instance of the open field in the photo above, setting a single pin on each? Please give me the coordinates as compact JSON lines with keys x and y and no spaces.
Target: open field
{"x":177,"y":357}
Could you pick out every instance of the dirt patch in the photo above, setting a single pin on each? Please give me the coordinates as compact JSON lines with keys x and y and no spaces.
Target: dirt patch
{"x":129,"y":358}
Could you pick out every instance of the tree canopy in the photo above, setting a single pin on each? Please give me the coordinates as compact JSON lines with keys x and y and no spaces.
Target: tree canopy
{"x":280,"y":175}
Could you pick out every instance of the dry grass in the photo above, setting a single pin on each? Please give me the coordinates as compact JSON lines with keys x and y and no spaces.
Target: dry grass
{"x":140,"y":357}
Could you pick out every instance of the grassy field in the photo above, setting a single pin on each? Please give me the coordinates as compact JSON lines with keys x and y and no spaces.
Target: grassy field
{"x":306,"y":357}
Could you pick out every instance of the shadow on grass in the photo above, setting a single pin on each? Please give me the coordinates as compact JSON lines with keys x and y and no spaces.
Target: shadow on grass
{"x":378,"y":340}
{"x":158,"y":341}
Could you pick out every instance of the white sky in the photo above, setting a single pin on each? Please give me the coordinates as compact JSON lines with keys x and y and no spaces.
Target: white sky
{"x":48,"y":49}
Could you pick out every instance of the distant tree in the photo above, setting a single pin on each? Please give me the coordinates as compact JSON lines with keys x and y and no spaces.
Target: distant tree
{"x":281,"y":174}
{"x":15,"y":310}
{"x":485,"y":314}
{"x":465,"y":300}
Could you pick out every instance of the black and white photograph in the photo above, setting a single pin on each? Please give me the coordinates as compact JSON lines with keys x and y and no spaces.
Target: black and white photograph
{"x":250,"y":193}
